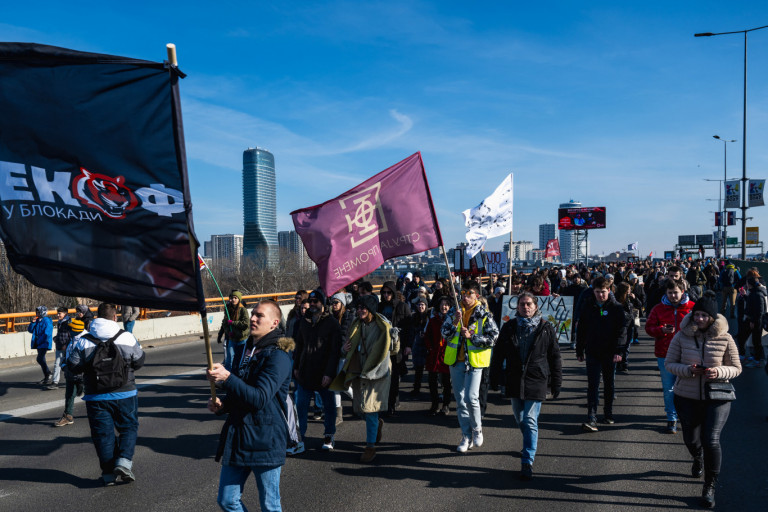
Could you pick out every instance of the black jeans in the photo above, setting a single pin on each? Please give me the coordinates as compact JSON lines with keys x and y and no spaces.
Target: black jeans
{"x":757,"y":341}
{"x":445,"y":378}
{"x":702,"y":422}
{"x":597,"y":366}
{"x":41,"y":361}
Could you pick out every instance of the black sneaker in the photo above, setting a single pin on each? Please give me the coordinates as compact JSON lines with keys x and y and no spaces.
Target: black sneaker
{"x":108,"y":479}
{"x":526,"y":472}
{"x":590,"y":426}
{"x":607,"y":420}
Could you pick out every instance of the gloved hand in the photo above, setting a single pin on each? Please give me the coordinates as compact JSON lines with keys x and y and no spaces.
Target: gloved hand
{"x":555,"y":393}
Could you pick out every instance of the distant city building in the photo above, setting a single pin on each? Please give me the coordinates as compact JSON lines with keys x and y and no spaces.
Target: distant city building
{"x":226,"y":251}
{"x":291,"y":241}
{"x":547,"y":232}
{"x":519,"y":250}
{"x":573,"y":244}
{"x":207,"y":250}
{"x":535,"y":254}
{"x":259,"y":205}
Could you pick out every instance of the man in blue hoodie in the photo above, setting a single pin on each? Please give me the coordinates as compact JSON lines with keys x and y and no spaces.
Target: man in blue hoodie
{"x":110,"y":409}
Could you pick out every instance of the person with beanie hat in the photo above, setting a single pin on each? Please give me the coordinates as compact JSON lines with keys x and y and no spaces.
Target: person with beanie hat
{"x":702,"y":350}
{"x":368,"y":369}
{"x":61,"y":340}
{"x":315,"y":364}
{"x":234,"y":328}
{"x":74,"y":383}
{"x":399,"y":315}
{"x":344,"y":316}
{"x":755,"y":311}
{"x":41,"y":328}
{"x":84,"y":313}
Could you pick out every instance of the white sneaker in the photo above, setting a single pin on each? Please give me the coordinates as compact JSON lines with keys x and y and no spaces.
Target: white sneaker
{"x":464,"y":445}
{"x":296,"y":449}
{"x":477,"y":438}
{"x":328,"y":442}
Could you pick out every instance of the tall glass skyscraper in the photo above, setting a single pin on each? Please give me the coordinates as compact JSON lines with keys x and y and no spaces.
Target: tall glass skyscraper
{"x":259,"y":205}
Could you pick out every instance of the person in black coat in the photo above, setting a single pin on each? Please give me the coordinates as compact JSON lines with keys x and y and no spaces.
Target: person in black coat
{"x":315,"y":364}
{"x":399,"y":315}
{"x":755,"y":310}
{"x":528,"y":344}
{"x":601,"y":336}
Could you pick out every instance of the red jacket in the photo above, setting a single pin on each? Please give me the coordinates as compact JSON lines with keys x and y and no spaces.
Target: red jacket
{"x":435,"y":344}
{"x":665,"y":314}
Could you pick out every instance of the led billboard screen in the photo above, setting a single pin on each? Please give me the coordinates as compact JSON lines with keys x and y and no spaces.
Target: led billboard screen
{"x":581,"y":218}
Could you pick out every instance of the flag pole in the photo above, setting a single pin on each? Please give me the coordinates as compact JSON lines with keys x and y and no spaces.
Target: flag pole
{"x":173,"y":61}
{"x":509,"y":264}
{"x":450,"y":278}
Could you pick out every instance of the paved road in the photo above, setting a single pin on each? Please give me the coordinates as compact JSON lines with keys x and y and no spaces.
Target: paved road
{"x":630,"y":466}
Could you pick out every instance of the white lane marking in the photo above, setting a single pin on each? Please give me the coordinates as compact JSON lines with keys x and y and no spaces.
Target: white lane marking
{"x":140,"y":383}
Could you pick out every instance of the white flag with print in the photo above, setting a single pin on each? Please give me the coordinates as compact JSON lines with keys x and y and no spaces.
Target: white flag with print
{"x":492,"y":217}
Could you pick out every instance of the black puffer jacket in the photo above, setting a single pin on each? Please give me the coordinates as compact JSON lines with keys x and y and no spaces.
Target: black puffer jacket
{"x":400,"y":316}
{"x":529,"y":380}
{"x":318,"y":346}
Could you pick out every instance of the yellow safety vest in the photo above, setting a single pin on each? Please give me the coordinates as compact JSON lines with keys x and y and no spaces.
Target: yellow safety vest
{"x":479,"y":357}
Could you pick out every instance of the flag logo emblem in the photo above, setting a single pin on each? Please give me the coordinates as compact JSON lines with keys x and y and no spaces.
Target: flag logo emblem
{"x":368,"y":219}
{"x":104,"y":193}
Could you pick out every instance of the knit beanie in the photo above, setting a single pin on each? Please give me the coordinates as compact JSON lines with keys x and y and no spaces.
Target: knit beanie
{"x":41,"y":311}
{"x":369,"y":302}
{"x":707,"y":303}
{"x":318,"y":294}
{"x":341,"y":297}
{"x":236,"y":293}
{"x":77,"y":326}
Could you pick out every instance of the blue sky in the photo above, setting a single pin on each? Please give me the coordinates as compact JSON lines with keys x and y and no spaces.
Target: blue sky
{"x":609,"y":103}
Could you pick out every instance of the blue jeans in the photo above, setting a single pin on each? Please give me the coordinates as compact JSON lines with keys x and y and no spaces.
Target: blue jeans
{"x":233,"y":350}
{"x":106,"y":416}
{"x":232,"y":481}
{"x":371,"y":427}
{"x":57,"y":365}
{"x":597,"y":366}
{"x":527,"y":416}
{"x":303,"y":396}
{"x":667,"y":383}
{"x":466,"y":390}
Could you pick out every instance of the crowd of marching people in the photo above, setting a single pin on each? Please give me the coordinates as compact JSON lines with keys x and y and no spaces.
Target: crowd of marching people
{"x":357,"y":345}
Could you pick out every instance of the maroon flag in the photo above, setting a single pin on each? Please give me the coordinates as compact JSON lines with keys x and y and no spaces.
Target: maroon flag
{"x":553,"y":248}
{"x":388,"y":215}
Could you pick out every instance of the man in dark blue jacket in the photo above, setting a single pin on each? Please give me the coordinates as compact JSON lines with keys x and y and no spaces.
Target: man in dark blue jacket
{"x":255,"y":435}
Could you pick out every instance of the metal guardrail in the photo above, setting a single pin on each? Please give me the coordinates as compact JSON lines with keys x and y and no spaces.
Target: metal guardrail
{"x":10,"y":322}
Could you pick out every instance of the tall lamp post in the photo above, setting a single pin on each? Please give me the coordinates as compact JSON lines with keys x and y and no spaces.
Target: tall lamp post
{"x":744,"y":136}
{"x":724,"y":219}
{"x":720,"y":202}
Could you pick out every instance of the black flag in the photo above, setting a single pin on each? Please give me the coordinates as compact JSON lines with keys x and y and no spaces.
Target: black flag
{"x":94,"y":197}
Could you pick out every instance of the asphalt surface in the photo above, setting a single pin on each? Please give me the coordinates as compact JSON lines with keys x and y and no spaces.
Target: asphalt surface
{"x":631,"y":465}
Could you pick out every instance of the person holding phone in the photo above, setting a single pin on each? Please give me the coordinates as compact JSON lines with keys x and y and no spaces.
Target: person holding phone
{"x":662,"y":324}
{"x":700,"y":352}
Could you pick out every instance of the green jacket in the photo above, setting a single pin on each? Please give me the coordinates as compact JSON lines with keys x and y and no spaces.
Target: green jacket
{"x":240,"y":327}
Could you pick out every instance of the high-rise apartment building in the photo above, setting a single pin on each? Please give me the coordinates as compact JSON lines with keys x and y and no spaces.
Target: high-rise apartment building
{"x":259,"y":205}
{"x":291,"y":241}
{"x":546,"y":233}
{"x":226,"y":251}
{"x":519,"y":250}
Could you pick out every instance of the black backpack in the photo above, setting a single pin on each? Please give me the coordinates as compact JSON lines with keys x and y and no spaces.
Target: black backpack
{"x":728,"y":278}
{"x":107,"y":371}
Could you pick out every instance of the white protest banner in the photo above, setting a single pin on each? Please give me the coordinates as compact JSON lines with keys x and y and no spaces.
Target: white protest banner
{"x":556,"y":310}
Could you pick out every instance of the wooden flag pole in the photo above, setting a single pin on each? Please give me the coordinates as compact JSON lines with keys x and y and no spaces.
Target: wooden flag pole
{"x":450,"y":278}
{"x":171,"y":48}
{"x":172,"y":60}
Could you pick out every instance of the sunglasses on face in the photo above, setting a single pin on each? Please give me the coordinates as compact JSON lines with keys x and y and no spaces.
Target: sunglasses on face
{"x":314,"y":301}
{"x":467,"y":292}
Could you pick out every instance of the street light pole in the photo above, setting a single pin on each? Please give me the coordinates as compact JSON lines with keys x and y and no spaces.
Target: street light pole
{"x":724,"y":218}
{"x":744,"y":136}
